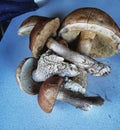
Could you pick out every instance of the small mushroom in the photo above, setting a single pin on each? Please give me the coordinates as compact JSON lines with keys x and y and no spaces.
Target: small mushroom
{"x":40,"y":34}
{"x":51,"y":91}
{"x":29,"y":23}
{"x":84,"y":62}
{"x":24,"y":76}
{"x":99,"y":35}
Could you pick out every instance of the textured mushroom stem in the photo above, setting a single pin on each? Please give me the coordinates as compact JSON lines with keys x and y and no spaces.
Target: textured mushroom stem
{"x":79,"y":101}
{"x":74,"y":86}
{"x":51,"y":64}
{"x":85,"y":42}
{"x":84,"y":62}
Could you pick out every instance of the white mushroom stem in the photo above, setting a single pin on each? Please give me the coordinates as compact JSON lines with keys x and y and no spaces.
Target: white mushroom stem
{"x":87,"y":63}
{"x":79,"y":101}
{"x":51,"y":64}
{"x":85,"y":42}
{"x":74,"y":86}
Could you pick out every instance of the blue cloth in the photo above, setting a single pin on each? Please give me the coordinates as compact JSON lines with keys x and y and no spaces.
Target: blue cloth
{"x":12,"y":8}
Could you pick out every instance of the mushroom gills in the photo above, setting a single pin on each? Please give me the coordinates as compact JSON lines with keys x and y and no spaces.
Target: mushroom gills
{"x":103,"y":47}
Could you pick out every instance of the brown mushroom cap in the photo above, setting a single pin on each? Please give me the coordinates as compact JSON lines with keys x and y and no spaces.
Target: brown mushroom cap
{"x":24,"y":76}
{"x":29,"y":23}
{"x":40,"y":33}
{"x":48,"y":93}
{"x":107,"y":32}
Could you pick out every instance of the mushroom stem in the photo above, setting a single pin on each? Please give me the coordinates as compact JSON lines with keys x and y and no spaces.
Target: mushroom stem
{"x":75,"y":87}
{"x":79,"y":101}
{"x":92,"y":66}
{"x":86,"y":41}
{"x":51,"y":64}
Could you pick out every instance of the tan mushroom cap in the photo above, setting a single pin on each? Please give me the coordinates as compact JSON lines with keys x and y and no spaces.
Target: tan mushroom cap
{"x":48,"y":93}
{"x":24,"y":76}
{"x":40,"y":33}
{"x":107,"y":39}
{"x":29,"y":23}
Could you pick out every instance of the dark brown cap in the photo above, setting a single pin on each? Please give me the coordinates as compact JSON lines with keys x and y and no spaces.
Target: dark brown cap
{"x":40,"y":33}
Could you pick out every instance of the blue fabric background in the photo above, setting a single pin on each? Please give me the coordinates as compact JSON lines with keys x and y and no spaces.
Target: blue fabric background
{"x":20,"y":111}
{"x":12,"y":8}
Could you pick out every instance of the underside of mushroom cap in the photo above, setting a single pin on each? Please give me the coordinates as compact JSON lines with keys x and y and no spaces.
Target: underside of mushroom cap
{"x":40,"y":33}
{"x":48,"y":93}
{"x":95,"y":20}
{"x":24,"y":76}
{"x":29,"y":23}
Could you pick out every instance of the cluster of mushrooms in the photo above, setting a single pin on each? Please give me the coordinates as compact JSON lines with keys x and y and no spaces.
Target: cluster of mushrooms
{"x":63,"y":55}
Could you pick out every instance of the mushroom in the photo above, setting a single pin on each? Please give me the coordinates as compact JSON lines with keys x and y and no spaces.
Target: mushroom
{"x":83,"y":62}
{"x":24,"y":76}
{"x":99,"y":35}
{"x":40,"y":33}
{"x":51,"y":91}
{"x":29,"y":23}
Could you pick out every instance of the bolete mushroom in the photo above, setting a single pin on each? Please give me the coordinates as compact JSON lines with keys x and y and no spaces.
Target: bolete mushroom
{"x":29,"y":23}
{"x":92,"y":66}
{"x":40,"y":33}
{"x":99,"y":35}
{"x":24,"y":76}
{"x":51,"y":91}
